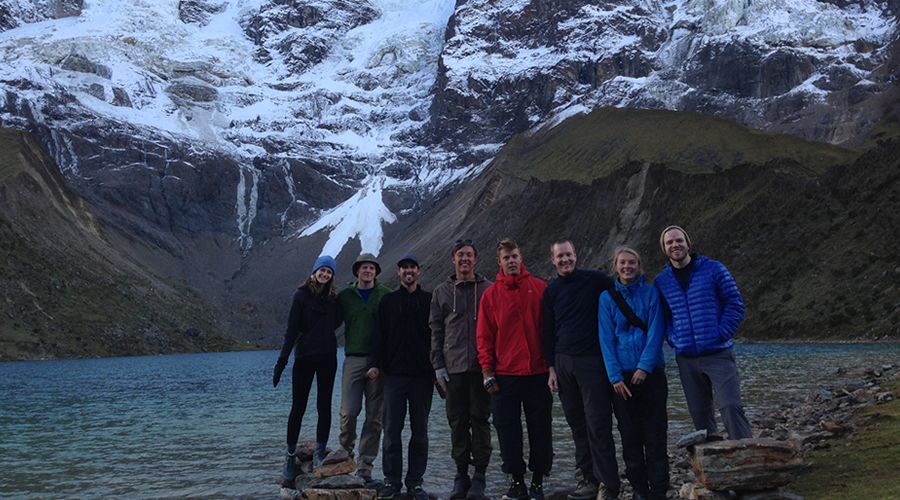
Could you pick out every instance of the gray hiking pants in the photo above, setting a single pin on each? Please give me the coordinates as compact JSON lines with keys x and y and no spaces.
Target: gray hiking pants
{"x":713,"y":378}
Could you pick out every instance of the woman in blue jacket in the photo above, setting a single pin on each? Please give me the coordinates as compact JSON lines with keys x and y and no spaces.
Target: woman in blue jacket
{"x":310,"y":334}
{"x":632,"y":352}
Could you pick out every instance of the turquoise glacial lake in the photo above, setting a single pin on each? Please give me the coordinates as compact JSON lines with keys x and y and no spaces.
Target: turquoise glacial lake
{"x":211,"y":425}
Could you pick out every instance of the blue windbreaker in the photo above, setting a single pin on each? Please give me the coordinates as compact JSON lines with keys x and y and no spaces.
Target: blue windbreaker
{"x":626,"y":347}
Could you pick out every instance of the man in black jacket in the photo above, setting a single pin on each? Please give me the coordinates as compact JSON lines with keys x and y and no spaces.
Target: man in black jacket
{"x":401,"y":348}
{"x":577,"y":372}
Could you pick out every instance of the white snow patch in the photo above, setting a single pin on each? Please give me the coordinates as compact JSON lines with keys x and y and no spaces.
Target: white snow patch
{"x":361,"y":217}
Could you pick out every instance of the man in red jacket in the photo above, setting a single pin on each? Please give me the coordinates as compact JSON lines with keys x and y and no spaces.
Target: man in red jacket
{"x":511,"y":354}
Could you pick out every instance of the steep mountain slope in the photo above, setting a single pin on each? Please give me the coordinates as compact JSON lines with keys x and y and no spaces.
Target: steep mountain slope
{"x":225,"y":143}
{"x":809,"y":241}
{"x":65,"y":291}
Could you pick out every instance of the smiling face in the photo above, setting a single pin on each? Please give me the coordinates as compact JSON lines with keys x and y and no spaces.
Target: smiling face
{"x":628,"y":266}
{"x":510,"y":261}
{"x":464,"y":259}
{"x":323,"y":275}
{"x":563,"y":257}
{"x":366,"y":274}
{"x":676,"y":247}
{"x":408,"y":271}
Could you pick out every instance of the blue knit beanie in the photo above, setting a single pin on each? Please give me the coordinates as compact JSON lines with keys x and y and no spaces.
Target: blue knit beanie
{"x":324,"y":261}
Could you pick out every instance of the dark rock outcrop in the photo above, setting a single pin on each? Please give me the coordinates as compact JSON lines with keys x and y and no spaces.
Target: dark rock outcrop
{"x":300,"y":33}
{"x":193,"y":89}
{"x":198,"y":11}
{"x":76,"y":62}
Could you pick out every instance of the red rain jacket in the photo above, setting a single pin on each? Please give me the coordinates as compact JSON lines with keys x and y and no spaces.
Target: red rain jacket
{"x":510,"y":328}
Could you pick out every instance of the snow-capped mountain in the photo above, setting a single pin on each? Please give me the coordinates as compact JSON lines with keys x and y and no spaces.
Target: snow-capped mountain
{"x":263,"y":119}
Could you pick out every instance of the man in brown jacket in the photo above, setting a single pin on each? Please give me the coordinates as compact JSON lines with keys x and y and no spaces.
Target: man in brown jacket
{"x":454,"y":356}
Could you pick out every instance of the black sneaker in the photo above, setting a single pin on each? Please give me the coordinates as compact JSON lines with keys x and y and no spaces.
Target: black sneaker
{"x":461,"y":485}
{"x":517,"y":491}
{"x":389,"y":491}
{"x":584,"y":490}
{"x":536,"y":492}
{"x":417,"y":493}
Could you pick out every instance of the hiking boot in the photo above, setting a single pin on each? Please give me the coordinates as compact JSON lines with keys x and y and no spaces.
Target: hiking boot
{"x":536,"y":492}
{"x":318,"y":455}
{"x":290,"y":467}
{"x":476,"y":490}
{"x":371,"y":484}
{"x":461,"y":485}
{"x":516,"y":491}
{"x":606,"y":494}
{"x":389,"y":491}
{"x":584,"y":490}
{"x":417,"y":493}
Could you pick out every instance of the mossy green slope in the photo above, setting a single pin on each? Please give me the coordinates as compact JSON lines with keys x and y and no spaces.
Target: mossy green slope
{"x":586,"y":147}
{"x":865,"y":466}
{"x":64,"y":291}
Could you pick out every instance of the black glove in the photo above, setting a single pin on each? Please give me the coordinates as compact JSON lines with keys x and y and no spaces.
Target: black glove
{"x":279,"y":367}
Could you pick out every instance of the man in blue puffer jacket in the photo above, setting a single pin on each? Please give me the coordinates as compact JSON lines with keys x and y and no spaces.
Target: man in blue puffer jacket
{"x":705,"y":311}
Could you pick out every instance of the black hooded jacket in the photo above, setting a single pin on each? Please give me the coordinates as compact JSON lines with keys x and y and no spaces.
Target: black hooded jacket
{"x":401,"y":344}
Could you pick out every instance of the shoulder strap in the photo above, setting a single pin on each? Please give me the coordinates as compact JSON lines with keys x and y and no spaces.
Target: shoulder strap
{"x":627,"y":310}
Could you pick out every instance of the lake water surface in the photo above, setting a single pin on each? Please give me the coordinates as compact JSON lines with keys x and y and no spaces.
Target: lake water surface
{"x":211,"y":425}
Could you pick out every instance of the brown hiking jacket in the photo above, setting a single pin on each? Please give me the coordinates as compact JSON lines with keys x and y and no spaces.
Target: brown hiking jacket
{"x":454,"y":312}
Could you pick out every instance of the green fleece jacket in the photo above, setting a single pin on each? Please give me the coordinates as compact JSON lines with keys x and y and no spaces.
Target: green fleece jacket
{"x":359,"y":318}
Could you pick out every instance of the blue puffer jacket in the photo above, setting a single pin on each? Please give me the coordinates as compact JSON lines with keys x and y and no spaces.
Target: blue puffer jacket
{"x":626,"y":347}
{"x":706,"y":317}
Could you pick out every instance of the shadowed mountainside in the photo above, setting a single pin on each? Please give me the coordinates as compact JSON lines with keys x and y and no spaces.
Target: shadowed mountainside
{"x":65,"y":291}
{"x":805,"y":228}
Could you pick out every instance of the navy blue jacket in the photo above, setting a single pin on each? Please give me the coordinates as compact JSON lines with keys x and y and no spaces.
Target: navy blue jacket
{"x":570,"y":314}
{"x":705,"y":317}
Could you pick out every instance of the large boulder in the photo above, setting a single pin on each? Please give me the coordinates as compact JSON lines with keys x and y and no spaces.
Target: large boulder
{"x":81,"y":64}
{"x":193,"y":89}
{"x":745,"y":464}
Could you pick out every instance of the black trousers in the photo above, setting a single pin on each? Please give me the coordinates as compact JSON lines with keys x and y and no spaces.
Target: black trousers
{"x":586,"y":396}
{"x":323,"y":369}
{"x":643,"y":425}
{"x":415,"y":394}
{"x":468,"y":412}
{"x":531,"y":394}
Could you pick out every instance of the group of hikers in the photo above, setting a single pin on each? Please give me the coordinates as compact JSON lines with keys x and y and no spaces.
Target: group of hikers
{"x":500,"y":349}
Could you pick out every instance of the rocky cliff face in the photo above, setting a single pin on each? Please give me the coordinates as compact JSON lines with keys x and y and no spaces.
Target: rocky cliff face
{"x":66,"y":290}
{"x":804,"y":68}
{"x":235,"y":140}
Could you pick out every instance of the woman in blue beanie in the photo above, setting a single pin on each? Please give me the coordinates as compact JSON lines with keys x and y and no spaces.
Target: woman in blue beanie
{"x":310,"y":333}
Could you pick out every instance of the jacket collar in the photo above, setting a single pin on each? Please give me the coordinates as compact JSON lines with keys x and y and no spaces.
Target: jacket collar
{"x":634,"y":285}
{"x":478,"y":279}
{"x":512,"y":281}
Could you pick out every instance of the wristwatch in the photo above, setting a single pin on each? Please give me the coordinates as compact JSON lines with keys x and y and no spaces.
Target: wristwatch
{"x":488,"y":382}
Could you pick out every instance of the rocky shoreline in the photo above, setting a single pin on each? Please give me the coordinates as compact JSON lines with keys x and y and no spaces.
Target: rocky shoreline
{"x":808,"y":421}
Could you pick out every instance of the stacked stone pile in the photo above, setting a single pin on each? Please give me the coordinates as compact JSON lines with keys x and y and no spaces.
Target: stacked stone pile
{"x":333,"y":480}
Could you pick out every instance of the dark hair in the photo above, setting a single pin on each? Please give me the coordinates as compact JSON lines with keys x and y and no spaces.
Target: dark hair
{"x":506,"y":244}
{"x":463,"y":243}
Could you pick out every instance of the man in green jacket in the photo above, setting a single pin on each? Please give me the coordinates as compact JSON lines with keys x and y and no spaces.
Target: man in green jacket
{"x":359,"y":305}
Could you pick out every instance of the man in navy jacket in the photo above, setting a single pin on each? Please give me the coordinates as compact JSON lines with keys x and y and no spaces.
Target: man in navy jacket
{"x":706,"y":309}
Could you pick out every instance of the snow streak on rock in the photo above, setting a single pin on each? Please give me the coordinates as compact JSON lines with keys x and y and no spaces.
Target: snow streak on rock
{"x":360,"y":217}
